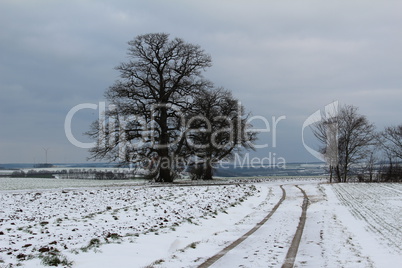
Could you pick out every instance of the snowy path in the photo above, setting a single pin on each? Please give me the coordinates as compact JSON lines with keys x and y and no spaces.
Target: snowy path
{"x":216,"y":257}
{"x":269,"y":245}
{"x":292,"y":252}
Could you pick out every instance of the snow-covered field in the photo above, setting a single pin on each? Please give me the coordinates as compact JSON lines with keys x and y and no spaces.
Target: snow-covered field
{"x":46,"y":183}
{"x":347,"y":225}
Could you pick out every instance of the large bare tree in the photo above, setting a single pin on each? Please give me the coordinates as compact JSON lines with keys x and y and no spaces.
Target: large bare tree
{"x":346,"y":138}
{"x":155,"y":89}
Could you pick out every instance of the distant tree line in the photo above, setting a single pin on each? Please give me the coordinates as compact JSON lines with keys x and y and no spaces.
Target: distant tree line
{"x":32,"y":174}
{"x":96,"y":175}
{"x":355,"y":151}
{"x":75,"y":174}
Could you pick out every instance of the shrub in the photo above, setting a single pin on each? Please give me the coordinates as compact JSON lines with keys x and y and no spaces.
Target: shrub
{"x":93,"y":243}
{"x":56,"y":260}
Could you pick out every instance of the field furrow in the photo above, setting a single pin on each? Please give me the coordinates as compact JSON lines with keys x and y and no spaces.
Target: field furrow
{"x":373,"y":204}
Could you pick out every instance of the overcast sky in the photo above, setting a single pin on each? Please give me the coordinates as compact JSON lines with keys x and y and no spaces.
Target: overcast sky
{"x":280,"y":58}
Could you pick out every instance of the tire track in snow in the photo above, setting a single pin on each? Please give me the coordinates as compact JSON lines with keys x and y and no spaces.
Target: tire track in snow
{"x":392,"y":188}
{"x":292,"y":252}
{"x":220,"y":254}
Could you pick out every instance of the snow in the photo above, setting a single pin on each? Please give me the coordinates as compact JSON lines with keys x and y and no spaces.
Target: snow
{"x":348,"y":225}
{"x":18,"y":184}
{"x":372,"y":214}
{"x":273,"y":238}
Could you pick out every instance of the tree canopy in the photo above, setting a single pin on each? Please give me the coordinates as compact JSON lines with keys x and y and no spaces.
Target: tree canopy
{"x":218,"y":129}
{"x":158,"y":93}
{"x":345,"y":139}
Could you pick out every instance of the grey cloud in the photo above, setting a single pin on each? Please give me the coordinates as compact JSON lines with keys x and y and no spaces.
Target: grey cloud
{"x":279,"y":58}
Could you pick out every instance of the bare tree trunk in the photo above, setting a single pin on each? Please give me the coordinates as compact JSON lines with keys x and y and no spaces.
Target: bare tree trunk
{"x":165,"y":165}
{"x":164,"y":175}
{"x":338,"y":174}
{"x":208,"y":171}
{"x":345,"y":174}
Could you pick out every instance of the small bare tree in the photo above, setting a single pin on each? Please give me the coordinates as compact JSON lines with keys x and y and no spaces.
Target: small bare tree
{"x":327,"y":133}
{"x":391,"y":139}
{"x":353,"y":134}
